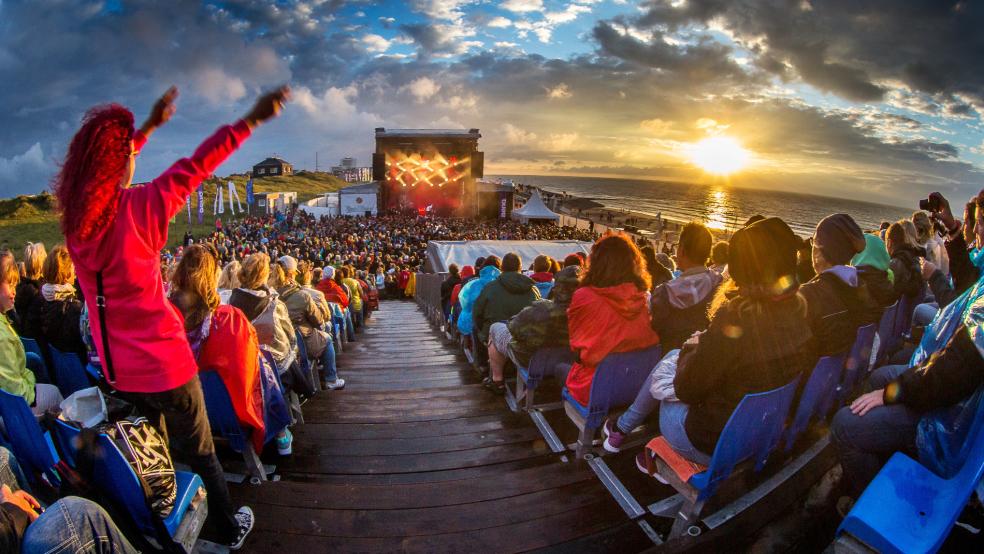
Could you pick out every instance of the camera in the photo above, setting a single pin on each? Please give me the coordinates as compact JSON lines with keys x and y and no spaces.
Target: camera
{"x":930,"y":204}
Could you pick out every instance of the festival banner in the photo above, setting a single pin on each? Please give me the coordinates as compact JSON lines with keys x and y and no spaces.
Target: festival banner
{"x":188,"y":203}
{"x":219,"y":204}
{"x":249,"y":192}
{"x":233,"y":193}
{"x":201,"y":203}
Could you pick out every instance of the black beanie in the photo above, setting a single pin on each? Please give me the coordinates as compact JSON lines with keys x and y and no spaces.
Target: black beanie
{"x":763,"y":255}
{"x":839,"y":238}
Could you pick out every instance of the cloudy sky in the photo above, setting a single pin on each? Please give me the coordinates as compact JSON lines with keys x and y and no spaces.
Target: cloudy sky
{"x":874,"y":100}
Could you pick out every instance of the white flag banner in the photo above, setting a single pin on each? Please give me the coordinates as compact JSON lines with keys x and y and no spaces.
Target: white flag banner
{"x":215,"y":203}
{"x":218,"y":190}
{"x":233,"y":193}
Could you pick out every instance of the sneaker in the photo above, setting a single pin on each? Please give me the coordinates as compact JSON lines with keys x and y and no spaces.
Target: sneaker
{"x":613,"y":437}
{"x":337,"y":384}
{"x":244,"y":517}
{"x":844,"y":505}
{"x":971,"y":519}
{"x":285,"y":443}
{"x":640,"y":461}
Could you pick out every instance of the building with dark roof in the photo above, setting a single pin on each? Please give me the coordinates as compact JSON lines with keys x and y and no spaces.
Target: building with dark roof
{"x":272,"y":166}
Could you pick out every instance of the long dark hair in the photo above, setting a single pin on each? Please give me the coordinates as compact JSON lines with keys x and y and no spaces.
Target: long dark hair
{"x":615,"y":260}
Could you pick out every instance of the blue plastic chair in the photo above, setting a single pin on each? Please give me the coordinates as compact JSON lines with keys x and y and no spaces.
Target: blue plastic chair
{"x":543,"y":364}
{"x":752,"y":433}
{"x":903,"y":316}
{"x":856,"y":365}
{"x":70,"y":375}
{"x":302,"y":358}
{"x":820,"y":389}
{"x":32,"y":346}
{"x":32,"y":446}
{"x":908,"y":508}
{"x":616,"y":382}
{"x":224,"y":423}
{"x":887,"y":341}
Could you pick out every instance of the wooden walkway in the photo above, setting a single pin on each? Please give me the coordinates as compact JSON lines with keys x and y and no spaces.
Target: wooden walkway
{"x":415,"y":456}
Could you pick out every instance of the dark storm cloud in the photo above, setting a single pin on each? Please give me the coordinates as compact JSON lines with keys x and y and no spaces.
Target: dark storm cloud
{"x":850,"y":47}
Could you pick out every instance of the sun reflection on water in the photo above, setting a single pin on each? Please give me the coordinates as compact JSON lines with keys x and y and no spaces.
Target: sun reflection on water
{"x":717,"y":210}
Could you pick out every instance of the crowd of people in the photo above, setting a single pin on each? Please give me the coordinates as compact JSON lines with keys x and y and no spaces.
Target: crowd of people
{"x":750,"y":315}
{"x":262,"y":299}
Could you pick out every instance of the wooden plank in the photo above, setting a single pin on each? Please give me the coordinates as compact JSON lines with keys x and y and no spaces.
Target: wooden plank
{"x":316,"y":446}
{"x":491,"y":471}
{"x":360,"y":431}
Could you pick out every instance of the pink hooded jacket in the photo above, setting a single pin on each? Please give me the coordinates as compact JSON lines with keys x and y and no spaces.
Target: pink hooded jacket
{"x":147,"y":343}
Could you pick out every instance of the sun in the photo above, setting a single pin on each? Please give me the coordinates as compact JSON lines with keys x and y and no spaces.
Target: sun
{"x":719,"y":155}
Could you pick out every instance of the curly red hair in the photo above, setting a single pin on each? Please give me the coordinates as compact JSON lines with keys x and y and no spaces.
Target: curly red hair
{"x":87,"y":187}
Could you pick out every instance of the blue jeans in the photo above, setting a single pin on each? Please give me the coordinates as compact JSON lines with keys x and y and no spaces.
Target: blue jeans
{"x":924,"y":313}
{"x":865,"y":443}
{"x":74,"y":525}
{"x":328,"y":362}
{"x":672,"y":420}
{"x":643,"y":405}
{"x":349,"y":326}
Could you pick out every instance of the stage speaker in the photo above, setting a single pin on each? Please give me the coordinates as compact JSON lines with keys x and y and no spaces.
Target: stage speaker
{"x":478,"y":164}
{"x":378,"y":166}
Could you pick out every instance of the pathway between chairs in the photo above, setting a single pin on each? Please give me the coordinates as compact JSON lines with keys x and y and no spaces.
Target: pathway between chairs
{"x":414,"y":455}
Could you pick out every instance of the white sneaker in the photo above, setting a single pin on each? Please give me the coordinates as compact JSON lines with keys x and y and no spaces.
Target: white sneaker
{"x":337,"y":384}
{"x":285,"y":444}
{"x":245,"y":519}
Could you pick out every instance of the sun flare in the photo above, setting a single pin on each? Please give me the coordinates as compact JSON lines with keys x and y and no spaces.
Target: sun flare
{"x":719,"y":155}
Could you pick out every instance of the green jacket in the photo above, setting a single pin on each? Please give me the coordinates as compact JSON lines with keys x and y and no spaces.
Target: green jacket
{"x":544,"y":323}
{"x":501,"y":299}
{"x":15,"y":378}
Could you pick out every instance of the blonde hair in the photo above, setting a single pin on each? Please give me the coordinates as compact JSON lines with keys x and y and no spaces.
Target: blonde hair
{"x":8,"y":269}
{"x":898,"y":236}
{"x":924,"y":227}
{"x":255,"y":271}
{"x":229,"y":278}
{"x":58,"y":267}
{"x":195,"y":293}
{"x":304,"y":273}
{"x":34,"y":256}
{"x":910,"y":232}
{"x":278,"y":277}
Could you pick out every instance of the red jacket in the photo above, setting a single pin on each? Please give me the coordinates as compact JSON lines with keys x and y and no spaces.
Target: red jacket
{"x":231,"y":350}
{"x":403,"y":279}
{"x":333,"y":292}
{"x":602,"y":321}
{"x":149,"y":349}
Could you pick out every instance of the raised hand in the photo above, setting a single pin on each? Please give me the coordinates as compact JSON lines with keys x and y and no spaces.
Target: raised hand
{"x":268,"y":106}
{"x":162,"y":111}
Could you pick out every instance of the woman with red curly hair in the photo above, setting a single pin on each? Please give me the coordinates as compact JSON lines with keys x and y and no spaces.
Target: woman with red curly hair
{"x":115,"y":233}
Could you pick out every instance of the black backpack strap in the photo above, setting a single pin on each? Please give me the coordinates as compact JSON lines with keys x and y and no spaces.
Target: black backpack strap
{"x":107,"y":360}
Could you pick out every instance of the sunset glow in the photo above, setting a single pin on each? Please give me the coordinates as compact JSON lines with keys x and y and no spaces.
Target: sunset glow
{"x":719,"y":155}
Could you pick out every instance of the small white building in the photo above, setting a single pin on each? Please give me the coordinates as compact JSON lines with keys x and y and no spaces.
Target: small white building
{"x":360,"y":200}
{"x":273,"y":202}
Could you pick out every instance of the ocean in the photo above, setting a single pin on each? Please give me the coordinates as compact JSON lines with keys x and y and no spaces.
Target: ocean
{"x":719,"y":207}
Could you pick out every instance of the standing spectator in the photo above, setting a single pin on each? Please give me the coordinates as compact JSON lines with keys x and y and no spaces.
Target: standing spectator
{"x":609,"y":312}
{"x":115,"y":233}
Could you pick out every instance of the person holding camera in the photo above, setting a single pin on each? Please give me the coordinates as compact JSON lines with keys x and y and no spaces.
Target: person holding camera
{"x":115,"y":233}
{"x":960,"y":239}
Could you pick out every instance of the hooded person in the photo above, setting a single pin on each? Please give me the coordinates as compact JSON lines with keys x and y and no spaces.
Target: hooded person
{"x":467,"y":273}
{"x":609,"y":312}
{"x":331,"y":289}
{"x":542,"y":276}
{"x":758,"y":340}
{"x":873,"y":266}
{"x":679,"y":307}
{"x":504,"y":297}
{"x":837,"y":301}
{"x":471,"y":290}
{"x":263,"y":308}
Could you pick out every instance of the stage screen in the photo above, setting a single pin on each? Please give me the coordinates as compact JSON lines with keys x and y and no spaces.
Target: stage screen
{"x":425,"y":181}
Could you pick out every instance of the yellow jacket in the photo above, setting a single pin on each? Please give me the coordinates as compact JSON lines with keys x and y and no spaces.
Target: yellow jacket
{"x":15,"y":378}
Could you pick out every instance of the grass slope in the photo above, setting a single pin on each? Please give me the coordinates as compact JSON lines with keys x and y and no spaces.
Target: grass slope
{"x":33,"y":218}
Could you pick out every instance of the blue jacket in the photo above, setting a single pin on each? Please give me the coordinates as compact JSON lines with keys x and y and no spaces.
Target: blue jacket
{"x":469,"y":293}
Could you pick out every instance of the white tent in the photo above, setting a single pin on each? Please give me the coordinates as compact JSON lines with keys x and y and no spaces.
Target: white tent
{"x":534,"y":209}
{"x":443,"y":253}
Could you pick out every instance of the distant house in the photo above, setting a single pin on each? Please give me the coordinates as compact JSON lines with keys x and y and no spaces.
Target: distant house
{"x":272,"y":166}
{"x":273,"y":202}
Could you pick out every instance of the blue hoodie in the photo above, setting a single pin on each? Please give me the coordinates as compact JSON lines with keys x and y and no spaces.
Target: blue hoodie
{"x":469,"y":293}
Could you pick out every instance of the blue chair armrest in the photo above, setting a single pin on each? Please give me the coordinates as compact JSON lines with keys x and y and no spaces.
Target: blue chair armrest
{"x":187,"y":486}
{"x":581,"y":408}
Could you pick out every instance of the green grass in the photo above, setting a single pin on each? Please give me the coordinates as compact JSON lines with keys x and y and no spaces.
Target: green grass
{"x":33,"y":218}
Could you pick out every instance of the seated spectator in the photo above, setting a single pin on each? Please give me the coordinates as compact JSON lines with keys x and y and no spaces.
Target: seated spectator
{"x":543,"y":324}
{"x":222,"y":340}
{"x":758,"y":340}
{"x":719,"y":257}
{"x":930,"y":241}
{"x":666,"y":260}
{"x":884,"y":421}
{"x":472,"y":289}
{"x":229,"y":280}
{"x":309,"y":318}
{"x":467,"y":273}
{"x":679,"y":307}
{"x":873,"y":265}
{"x":963,"y":270}
{"x":60,"y":305}
{"x":29,"y":291}
{"x":609,"y":312}
{"x":543,"y":279}
{"x":453,"y":279}
{"x":69,"y":525}
{"x":574,"y":259}
{"x":905,"y":261}
{"x":264,"y":309}
{"x":347,"y":278}
{"x":837,"y":302}
{"x":15,"y":377}
{"x":499,"y":300}
{"x":331,"y":289}
{"x":658,"y":273}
